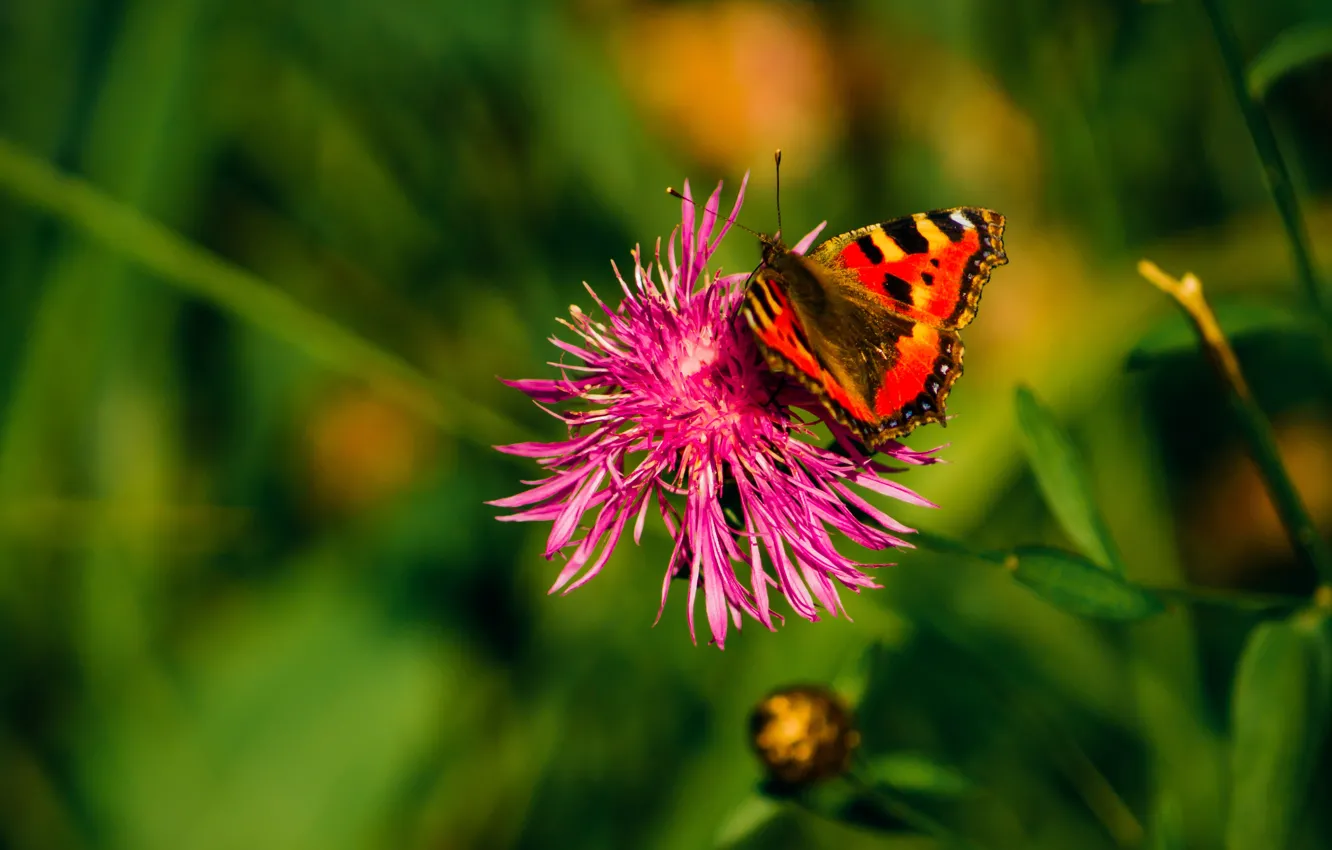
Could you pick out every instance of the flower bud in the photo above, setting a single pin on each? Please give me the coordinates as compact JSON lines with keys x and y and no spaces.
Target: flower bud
{"x":803,"y":734}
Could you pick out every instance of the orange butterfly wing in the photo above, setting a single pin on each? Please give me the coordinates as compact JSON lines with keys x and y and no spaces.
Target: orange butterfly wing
{"x":881,"y":379}
{"x":929,"y":267}
{"x":868,"y":320}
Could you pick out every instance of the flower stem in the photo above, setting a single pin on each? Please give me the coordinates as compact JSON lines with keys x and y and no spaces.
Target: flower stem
{"x":948,"y":546}
{"x":1217,"y":596}
{"x":1257,"y":430}
{"x":1274,"y":166}
{"x":1226,"y":598}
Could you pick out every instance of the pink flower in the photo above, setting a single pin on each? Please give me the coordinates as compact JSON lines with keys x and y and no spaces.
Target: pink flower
{"x":680,"y":416}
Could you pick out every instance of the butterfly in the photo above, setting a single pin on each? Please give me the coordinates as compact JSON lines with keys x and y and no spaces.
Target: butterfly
{"x":868,"y":320}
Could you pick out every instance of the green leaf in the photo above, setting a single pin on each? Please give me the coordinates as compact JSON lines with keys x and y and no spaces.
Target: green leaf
{"x":1174,"y":335}
{"x":1078,"y":586}
{"x":1291,"y":50}
{"x":198,"y":272}
{"x":1167,"y":831}
{"x":1279,"y":715}
{"x":1063,"y":480}
{"x":746,"y":819}
{"x":915,"y":773}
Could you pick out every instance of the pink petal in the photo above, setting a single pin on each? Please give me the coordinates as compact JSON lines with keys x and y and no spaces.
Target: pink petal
{"x":710,"y":211}
{"x":735,"y":213}
{"x":877,"y":515}
{"x":562,"y":531}
{"x":802,"y":246}
{"x":890,"y":488}
{"x":550,"y":392}
{"x":560,"y":449}
{"x":555,"y":486}
{"x":687,"y":275}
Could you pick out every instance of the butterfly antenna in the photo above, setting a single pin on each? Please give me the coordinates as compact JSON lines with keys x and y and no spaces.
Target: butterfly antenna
{"x":674,"y":194}
{"x":739,"y":304}
{"x":777,"y":159}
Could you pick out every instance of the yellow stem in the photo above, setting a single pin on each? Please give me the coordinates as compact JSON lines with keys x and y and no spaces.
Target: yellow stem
{"x":1188,"y":292}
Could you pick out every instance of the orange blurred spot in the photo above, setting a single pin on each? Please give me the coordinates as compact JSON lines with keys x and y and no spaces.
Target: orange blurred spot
{"x":1235,"y":525}
{"x":361,"y":451}
{"x":923,"y":94}
{"x":733,"y":81}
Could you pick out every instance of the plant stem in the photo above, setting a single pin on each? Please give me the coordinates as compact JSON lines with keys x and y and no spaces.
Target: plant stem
{"x":1274,"y":166}
{"x":190,"y":268}
{"x":948,"y":546}
{"x":909,"y":814}
{"x":1221,"y":597}
{"x":1226,"y":598}
{"x":1257,"y":430}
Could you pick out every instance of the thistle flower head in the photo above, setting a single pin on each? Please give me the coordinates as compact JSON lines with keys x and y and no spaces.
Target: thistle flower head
{"x":676,"y":414}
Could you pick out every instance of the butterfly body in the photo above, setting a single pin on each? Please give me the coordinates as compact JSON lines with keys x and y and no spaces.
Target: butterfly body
{"x":868,"y":320}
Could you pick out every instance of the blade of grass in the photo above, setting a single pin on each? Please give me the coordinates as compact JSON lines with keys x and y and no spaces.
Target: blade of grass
{"x":243,"y":294}
{"x":1274,"y":166}
{"x":1291,"y":50}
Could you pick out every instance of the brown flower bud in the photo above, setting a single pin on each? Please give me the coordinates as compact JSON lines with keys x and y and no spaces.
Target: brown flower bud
{"x":803,"y":734}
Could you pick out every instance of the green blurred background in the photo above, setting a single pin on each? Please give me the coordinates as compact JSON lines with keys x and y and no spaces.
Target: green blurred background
{"x":250,"y":595}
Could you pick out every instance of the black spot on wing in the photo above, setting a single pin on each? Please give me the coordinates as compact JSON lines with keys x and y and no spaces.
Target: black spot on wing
{"x":896,"y":287}
{"x":947,"y":225}
{"x":911,"y":240}
{"x":928,"y":278}
{"x":869,"y":249}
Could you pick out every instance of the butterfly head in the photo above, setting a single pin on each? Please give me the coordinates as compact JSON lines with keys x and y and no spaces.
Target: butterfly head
{"x":773,"y":246}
